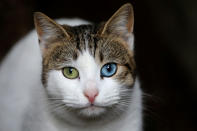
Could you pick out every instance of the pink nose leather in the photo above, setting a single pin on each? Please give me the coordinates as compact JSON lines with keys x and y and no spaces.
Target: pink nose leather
{"x":91,"y":92}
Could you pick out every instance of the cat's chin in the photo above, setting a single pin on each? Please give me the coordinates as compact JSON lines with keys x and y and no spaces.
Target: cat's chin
{"x":92,"y":111}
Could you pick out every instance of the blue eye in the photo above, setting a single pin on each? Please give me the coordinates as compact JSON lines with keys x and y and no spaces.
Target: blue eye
{"x":108,"y":70}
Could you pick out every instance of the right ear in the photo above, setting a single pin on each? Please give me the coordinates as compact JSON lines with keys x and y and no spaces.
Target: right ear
{"x":121,"y":25}
{"x":47,"y":30}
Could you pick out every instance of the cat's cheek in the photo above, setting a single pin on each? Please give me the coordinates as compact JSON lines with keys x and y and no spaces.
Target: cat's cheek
{"x":109,"y":92}
{"x":58,"y":85}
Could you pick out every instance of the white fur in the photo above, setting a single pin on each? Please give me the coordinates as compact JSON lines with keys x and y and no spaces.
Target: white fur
{"x":22,"y":95}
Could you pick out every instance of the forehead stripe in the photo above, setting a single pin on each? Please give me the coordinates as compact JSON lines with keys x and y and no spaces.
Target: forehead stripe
{"x":95,"y":44}
{"x":78,"y":44}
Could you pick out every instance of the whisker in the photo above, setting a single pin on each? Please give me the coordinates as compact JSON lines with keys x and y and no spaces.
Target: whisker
{"x":54,"y":107}
{"x":55,"y":99}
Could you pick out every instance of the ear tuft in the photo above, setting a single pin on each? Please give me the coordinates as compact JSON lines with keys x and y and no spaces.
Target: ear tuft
{"x":121,"y":24}
{"x":47,"y":29}
{"x":121,"y":21}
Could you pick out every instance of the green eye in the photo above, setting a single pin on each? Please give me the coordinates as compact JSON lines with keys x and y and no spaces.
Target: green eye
{"x":70,"y":72}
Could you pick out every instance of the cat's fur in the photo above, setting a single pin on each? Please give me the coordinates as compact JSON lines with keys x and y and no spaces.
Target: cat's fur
{"x":35,"y":95}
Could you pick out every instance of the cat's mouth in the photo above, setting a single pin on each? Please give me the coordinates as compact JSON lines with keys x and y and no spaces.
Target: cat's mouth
{"x":92,"y":107}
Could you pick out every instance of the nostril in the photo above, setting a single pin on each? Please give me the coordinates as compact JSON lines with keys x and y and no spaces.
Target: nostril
{"x":86,"y":95}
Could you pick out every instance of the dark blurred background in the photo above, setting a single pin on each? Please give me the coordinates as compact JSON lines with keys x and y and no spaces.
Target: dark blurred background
{"x":166,"y":49}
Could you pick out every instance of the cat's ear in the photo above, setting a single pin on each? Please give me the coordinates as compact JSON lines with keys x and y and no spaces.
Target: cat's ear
{"x":47,"y":30}
{"x":121,"y":24}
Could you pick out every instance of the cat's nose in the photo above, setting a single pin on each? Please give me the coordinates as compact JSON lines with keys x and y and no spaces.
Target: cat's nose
{"x":91,"y":93}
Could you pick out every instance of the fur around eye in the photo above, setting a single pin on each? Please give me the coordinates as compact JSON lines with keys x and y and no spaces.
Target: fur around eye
{"x":108,"y":70}
{"x":70,"y":72}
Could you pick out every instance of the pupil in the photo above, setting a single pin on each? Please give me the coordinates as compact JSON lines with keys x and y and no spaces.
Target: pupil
{"x":70,"y":70}
{"x":108,"y":68}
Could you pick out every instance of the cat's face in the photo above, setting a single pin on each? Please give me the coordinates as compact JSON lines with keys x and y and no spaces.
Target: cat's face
{"x":88,"y":70}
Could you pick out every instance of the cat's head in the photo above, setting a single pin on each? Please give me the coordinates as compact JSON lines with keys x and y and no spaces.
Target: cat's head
{"x":88,"y":70}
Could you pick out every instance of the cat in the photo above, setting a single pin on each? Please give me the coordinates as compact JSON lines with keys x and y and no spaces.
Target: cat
{"x":72,"y":76}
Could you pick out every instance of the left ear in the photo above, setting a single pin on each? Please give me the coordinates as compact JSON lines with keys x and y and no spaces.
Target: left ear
{"x":48,"y":30}
{"x":121,"y":24}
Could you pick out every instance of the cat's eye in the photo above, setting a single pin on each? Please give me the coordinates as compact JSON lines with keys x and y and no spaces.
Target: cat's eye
{"x":108,"y":70}
{"x":70,"y":72}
